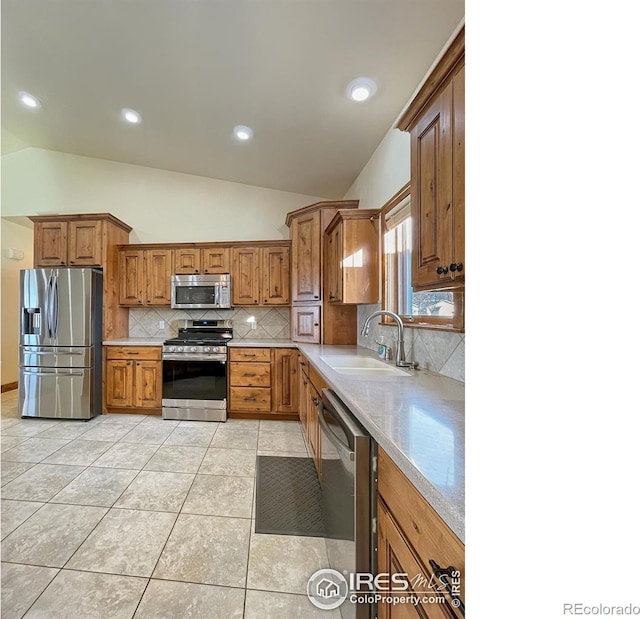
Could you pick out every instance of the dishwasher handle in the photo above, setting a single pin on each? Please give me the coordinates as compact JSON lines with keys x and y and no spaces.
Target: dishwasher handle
{"x":343,"y":449}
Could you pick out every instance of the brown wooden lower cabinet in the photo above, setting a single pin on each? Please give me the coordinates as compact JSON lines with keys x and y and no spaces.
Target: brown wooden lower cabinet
{"x":263,"y":381}
{"x":311,"y":386}
{"x":414,"y":540}
{"x":133,"y":378}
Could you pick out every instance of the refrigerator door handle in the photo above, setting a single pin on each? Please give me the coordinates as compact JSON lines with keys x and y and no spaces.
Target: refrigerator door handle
{"x":56,"y":371}
{"x":56,"y":306}
{"x":47,"y":307}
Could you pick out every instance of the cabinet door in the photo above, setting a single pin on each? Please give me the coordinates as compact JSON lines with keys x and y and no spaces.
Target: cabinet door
{"x":285,"y":380}
{"x":50,"y":243}
{"x":120,"y":375}
{"x":187,"y":261}
{"x":158,"y":276}
{"x":303,"y":395}
{"x":458,"y":173}
{"x":313,"y":428}
{"x":396,"y":557}
{"x":245,"y":270}
{"x":275,"y":276}
{"x":306,"y":268}
{"x":334,"y":264}
{"x":132,"y":284}
{"x":148,"y":384}
{"x":85,"y":243}
{"x":215,"y":260}
{"x":306,"y":324}
{"x":432,"y":194}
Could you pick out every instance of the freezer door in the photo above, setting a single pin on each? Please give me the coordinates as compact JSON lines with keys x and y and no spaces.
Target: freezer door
{"x":57,"y":393}
{"x":56,"y":357}
{"x":60,"y":307}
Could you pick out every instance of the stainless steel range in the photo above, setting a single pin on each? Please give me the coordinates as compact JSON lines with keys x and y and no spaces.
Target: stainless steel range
{"x":194,"y":371}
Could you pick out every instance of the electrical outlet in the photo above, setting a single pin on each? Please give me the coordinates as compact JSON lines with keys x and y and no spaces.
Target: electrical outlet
{"x":161,"y":324}
{"x":254,"y":324}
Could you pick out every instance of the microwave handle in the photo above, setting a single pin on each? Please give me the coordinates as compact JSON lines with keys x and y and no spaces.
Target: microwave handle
{"x":216,"y":295}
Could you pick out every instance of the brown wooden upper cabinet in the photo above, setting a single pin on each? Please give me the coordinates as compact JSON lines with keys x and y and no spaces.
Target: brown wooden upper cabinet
{"x":436,"y":121}
{"x":352,"y":256}
{"x":75,"y":240}
{"x":68,"y":243}
{"x":207,"y":260}
{"x":145,"y":276}
{"x":261,"y":275}
{"x":306,"y":238}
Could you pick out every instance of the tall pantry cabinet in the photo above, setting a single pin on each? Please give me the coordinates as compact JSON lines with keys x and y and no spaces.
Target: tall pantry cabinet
{"x":313,"y":319}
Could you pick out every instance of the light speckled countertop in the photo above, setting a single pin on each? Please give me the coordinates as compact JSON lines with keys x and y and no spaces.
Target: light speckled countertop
{"x":264,"y":343}
{"x":136,"y":341}
{"x":418,"y":420}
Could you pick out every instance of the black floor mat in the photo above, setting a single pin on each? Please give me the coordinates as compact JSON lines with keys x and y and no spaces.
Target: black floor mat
{"x":288,"y":497}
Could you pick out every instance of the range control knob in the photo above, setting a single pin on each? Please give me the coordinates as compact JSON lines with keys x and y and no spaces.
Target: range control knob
{"x":207,"y":349}
{"x":172,"y":348}
{"x":180,"y":348}
{"x":193,"y":349}
{"x":216,"y":349}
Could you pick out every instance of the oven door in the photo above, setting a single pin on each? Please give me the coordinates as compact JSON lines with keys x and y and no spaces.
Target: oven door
{"x":194,"y":389}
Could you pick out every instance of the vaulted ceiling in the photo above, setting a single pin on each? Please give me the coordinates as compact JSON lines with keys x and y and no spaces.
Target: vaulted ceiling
{"x":196,"y":68}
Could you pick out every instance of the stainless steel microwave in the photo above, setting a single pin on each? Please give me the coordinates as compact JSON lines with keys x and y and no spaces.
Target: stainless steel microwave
{"x":201,"y":291}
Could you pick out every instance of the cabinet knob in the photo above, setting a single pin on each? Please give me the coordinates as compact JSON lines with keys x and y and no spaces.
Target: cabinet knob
{"x":315,"y":324}
{"x":315,"y":296}
{"x":61,"y":261}
{"x":70,"y":261}
{"x":442,"y":270}
{"x":266,"y":301}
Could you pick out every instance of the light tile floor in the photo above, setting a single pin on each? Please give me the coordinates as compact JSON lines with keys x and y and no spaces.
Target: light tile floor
{"x":132,"y":516}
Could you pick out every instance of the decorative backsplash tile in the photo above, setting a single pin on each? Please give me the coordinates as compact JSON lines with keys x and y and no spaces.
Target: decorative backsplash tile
{"x":437,"y":351}
{"x":272,"y":322}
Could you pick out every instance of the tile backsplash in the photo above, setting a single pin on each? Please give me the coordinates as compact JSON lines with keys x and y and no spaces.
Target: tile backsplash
{"x":437,"y":351}
{"x":272,"y":322}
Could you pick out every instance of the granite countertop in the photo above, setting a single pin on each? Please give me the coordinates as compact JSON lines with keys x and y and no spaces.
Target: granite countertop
{"x":136,"y":341}
{"x":418,"y":420}
{"x":275,"y":343}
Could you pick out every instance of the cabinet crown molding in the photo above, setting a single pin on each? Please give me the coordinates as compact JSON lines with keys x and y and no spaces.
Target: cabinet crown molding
{"x":453,"y":55}
{"x":82,"y":217}
{"x":339,"y":204}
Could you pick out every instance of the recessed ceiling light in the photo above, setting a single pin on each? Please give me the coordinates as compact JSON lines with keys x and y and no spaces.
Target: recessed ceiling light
{"x":29,"y":100}
{"x":131,"y":116}
{"x":242,"y":132}
{"x":361,"y":89}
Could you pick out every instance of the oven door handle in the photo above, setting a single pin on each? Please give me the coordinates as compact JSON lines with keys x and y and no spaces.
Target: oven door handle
{"x":219,"y":358}
{"x":343,"y":449}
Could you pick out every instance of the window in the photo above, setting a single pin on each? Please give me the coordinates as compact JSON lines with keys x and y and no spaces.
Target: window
{"x":438,"y":309}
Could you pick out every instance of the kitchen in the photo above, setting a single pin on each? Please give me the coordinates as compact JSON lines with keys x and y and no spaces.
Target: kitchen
{"x":204,"y":417}
{"x":157,"y":499}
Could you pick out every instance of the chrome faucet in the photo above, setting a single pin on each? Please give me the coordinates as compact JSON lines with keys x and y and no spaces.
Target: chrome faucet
{"x":400,"y":361}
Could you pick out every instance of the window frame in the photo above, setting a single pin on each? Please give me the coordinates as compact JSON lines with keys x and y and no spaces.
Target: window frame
{"x":440,"y":323}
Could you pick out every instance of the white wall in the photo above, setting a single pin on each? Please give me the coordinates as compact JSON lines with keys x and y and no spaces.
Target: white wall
{"x":388,"y":170}
{"x":17,"y":237}
{"x":160,"y":206}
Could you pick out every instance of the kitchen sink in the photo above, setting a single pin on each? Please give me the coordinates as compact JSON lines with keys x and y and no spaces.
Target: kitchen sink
{"x":361,"y":366}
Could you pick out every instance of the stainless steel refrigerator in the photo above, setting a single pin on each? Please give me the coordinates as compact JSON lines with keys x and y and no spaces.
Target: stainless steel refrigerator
{"x":60,"y":343}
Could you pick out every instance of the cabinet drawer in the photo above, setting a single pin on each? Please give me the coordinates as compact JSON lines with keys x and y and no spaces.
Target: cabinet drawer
{"x":250,"y":354}
{"x":152,"y":353}
{"x":250,"y":399}
{"x":249,"y":374}
{"x":421,"y":526}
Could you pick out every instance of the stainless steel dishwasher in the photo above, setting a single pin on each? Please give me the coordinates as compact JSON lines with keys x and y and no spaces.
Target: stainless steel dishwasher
{"x":348,"y":494}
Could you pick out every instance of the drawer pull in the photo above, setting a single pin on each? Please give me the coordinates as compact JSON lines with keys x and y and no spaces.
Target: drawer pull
{"x":246,"y":354}
{"x":249,"y":375}
{"x":132,"y":353}
{"x":250,"y":399}
{"x":446,"y":576}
